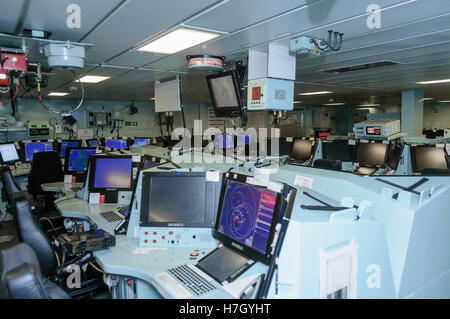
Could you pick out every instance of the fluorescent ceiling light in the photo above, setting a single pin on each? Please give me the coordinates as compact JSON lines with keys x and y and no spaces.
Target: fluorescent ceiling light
{"x":177,"y":40}
{"x":93,"y":78}
{"x":426,"y":99}
{"x":298,"y":102}
{"x":57,"y":94}
{"x":444,"y":101}
{"x":333,"y":104}
{"x":434,"y":81}
{"x":315,"y":93}
{"x":367,"y":105}
{"x":152,"y":98}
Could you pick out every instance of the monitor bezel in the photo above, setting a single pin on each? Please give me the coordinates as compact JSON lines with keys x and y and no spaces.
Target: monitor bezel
{"x":13,"y":161}
{"x":25,"y":150}
{"x":229,"y":111}
{"x":144,"y":222}
{"x":60,"y":146}
{"x":386,"y":156}
{"x":66,"y":159}
{"x":233,"y":243}
{"x":92,"y":169}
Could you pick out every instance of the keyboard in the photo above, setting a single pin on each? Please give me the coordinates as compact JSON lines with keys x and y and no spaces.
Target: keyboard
{"x":111,"y":216}
{"x":191,"y":280}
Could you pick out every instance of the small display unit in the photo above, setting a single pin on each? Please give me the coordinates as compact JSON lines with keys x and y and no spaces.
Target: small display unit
{"x":225,"y":141}
{"x":120,"y":144}
{"x":428,"y":156}
{"x":35,"y":147}
{"x":8,"y":153}
{"x":373,"y":155}
{"x":148,"y":161}
{"x":92,"y":142}
{"x":225,"y":94}
{"x":139,"y":141}
{"x":110,"y":179}
{"x":68,"y":143}
{"x":76,"y":162}
{"x":178,"y":209}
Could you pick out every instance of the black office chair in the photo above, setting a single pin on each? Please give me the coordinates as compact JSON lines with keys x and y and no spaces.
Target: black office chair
{"x":10,"y":187}
{"x":21,"y":276}
{"x":334,"y":165}
{"x":46,"y":167}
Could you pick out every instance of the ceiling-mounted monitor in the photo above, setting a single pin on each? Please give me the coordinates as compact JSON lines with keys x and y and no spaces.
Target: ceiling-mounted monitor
{"x":225,"y":94}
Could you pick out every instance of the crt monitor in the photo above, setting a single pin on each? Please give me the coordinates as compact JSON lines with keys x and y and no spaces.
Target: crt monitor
{"x":225,"y":94}
{"x":110,"y":173}
{"x":424,"y":156}
{"x":301,"y":149}
{"x":338,"y":151}
{"x":8,"y":153}
{"x":77,"y":158}
{"x":68,"y":143}
{"x":247,"y":217}
{"x":372,"y":154}
{"x":34,"y":147}
{"x":179,"y":199}
{"x":92,"y":142}
{"x":117,"y":144}
{"x":141,"y":141}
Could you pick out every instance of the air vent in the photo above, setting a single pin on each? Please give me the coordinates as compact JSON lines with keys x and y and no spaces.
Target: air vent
{"x":361,"y":67}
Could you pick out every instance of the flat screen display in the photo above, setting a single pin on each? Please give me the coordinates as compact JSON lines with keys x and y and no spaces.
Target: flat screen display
{"x":78,"y":159}
{"x":92,"y":143}
{"x":117,"y":144}
{"x":247,"y":213}
{"x":225,"y":141}
{"x":428,"y":157}
{"x":66,"y":144}
{"x":113,"y":172}
{"x":141,"y":141}
{"x":9,"y":152}
{"x":372,"y":154}
{"x":223,"y":92}
{"x":31,"y":148}
{"x":338,"y":151}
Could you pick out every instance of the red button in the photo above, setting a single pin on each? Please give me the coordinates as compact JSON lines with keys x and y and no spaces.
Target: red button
{"x":154,"y":233}
{"x":146,"y":232}
{"x":163,"y":237}
{"x":171,"y":233}
{"x":145,"y":241}
{"x":129,"y":282}
{"x":154,"y":241}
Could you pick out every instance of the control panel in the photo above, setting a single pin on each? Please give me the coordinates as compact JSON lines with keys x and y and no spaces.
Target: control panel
{"x":176,"y":237}
{"x":270,"y":94}
{"x":38,"y":128}
{"x":377,"y":128}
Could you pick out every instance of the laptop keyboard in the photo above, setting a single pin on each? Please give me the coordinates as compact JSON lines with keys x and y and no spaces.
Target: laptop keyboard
{"x":111,"y":216}
{"x":196,"y":284}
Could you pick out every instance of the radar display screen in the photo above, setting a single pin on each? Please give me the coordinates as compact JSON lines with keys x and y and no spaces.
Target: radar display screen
{"x":79,"y":159}
{"x":247,"y":214}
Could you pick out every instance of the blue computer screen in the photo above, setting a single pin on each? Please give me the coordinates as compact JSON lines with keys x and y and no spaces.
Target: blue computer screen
{"x":225,"y":141}
{"x":243,"y":139}
{"x":140,"y":141}
{"x":92,"y":143}
{"x":117,"y":144}
{"x":9,"y":152}
{"x":113,"y":173}
{"x":79,"y":159}
{"x":247,"y":214}
{"x":65,"y":145}
{"x":31,"y":148}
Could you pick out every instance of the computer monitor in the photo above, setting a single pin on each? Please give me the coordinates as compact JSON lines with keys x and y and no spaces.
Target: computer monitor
{"x":301,"y":149}
{"x":8,"y":153}
{"x":110,"y":173}
{"x":395,"y":156}
{"x":179,"y":199}
{"x":225,"y":141}
{"x":77,"y":159}
{"x":117,"y":144}
{"x":338,"y":151}
{"x":148,"y":161}
{"x":425,"y":156}
{"x":141,"y":141}
{"x":243,"y":140}
{"x":247,"y":217}
{"x":35,"y":147}
{"x":92,"y":142}
{"x":68,"y":143}
{"x":225,"y":94}
{"x":372,"y":154}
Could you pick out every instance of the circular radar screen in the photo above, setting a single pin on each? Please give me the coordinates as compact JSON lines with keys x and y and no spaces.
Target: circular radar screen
{"x":247,"y":214}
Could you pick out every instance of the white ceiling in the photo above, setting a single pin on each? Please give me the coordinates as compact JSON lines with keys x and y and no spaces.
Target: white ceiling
{"x":413,"y":32}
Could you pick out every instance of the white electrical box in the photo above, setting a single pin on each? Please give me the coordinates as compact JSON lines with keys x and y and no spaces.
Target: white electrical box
{"x":377,"y":128}
{"x":270,"y":94}
{"x":447,"y":133}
